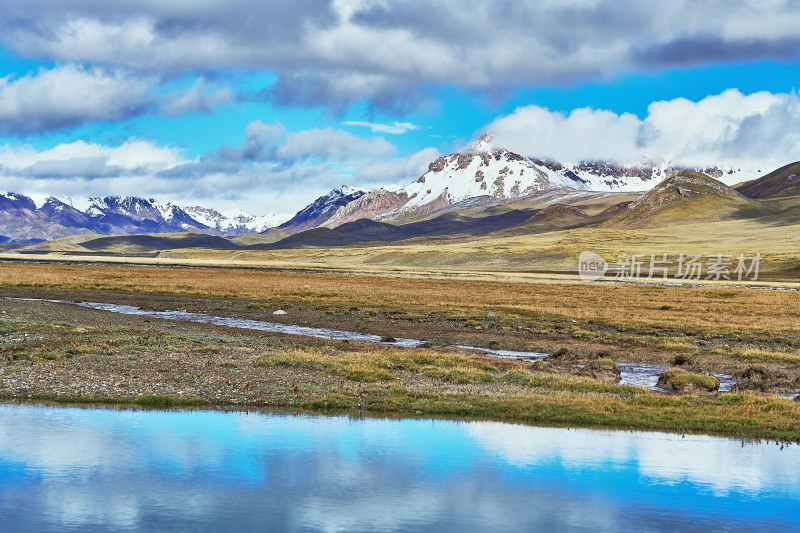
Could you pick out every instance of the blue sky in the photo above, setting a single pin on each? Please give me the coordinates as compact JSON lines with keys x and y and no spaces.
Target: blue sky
{"x":265,"y":106}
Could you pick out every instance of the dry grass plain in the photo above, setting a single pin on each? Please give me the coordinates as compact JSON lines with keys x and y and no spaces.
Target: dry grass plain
{"x":553,"y":251}
{"x":712,"y":308}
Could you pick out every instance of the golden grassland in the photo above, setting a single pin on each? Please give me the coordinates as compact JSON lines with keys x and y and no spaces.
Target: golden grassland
{"x":720,"y":309}
{"x":551,"y":251}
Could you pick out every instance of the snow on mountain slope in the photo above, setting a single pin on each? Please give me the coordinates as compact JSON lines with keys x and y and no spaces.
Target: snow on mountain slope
{"x":255,"y":224}
{"x":12,"y":200}
{"x":235,"y":221}
{"x":486,"y":171}
{"x":370,"y":205}
{"x":482,"y":171}
{"x":321,"y":209}
{"x":609,"y":177}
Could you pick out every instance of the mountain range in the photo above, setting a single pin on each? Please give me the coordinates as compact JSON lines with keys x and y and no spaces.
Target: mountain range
{"x":477,"y":178}
{"x":22,"y":220}
{"x":683,"y":198}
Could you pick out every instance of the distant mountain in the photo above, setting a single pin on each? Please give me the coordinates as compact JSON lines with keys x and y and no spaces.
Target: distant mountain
{"x":235,"y":221}
{"x":131,"y":215}
{"x":483,"y":171}
{"x":683,"y":198}
{"x":149,"y":243}
{"x":22,"y":220}
{"x":320,"y":210}
{"x":369,"y":205}
{"x":782,"y":182}
{"x":365,"y":230}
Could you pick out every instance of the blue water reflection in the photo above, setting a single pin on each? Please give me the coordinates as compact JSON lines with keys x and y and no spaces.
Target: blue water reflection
{"x":73,"y":469}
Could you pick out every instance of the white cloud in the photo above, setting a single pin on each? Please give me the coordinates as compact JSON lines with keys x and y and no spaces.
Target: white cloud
{"x":133,"y":154}
{"x":394,"y":128}
{"x":717,"y":463}
{"x":68,"y":96}
{"x":729,"y":129}
{"x":401,"y":170}
{"x":332,"y":143}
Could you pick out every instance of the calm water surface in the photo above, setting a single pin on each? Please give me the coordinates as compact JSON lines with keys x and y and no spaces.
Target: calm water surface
{"x":76,"y":469}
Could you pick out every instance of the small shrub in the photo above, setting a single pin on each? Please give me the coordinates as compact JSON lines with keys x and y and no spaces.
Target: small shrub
{"x":605,"y":361}
{"x":539,"y":365}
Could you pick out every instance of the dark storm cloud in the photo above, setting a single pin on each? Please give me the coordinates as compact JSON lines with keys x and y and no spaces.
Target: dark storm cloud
{"x":335,"y":91}
{"x":708,"y":49}
{"x":78,"y":167}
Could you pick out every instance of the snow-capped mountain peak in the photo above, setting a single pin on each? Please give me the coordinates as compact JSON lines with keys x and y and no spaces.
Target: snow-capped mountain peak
{"x":235,"y":221}
{"x":482,"y":171}
{"x":483,"y":144}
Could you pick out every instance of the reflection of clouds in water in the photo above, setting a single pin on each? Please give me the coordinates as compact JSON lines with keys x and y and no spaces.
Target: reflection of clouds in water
{"x":86,"y":442}
{"x":213,"y":470}
{"x":52,"y":446}
{"x":476,"y":504}
{"x":527,"y":445}
{"x":718,"y":463}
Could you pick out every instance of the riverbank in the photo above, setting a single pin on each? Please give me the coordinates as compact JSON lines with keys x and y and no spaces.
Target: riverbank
{"x":65,"y":353}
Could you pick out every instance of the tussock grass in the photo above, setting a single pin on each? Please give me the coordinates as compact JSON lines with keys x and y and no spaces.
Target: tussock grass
{"x":677,"y":346}
{"x":681,"y":378}
{"x":758,"y":354}
{"x":371,"y":366}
